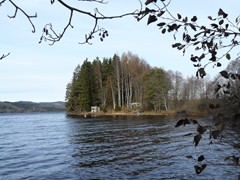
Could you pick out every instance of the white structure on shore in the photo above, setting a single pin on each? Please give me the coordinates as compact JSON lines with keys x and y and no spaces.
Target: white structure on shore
{"x":95,"y":109}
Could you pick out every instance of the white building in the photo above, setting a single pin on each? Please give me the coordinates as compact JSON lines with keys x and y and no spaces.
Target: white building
{"x":135,"y":105}
{"x":95,"y":109}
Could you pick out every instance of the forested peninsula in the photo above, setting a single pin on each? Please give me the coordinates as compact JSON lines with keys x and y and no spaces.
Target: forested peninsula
{"x":127,"y":83}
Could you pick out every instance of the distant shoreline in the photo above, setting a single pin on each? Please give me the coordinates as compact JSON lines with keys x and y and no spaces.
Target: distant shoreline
{"x":28,"y":107}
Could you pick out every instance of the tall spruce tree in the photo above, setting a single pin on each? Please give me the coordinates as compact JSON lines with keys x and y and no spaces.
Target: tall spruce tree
{"x":86,"y":86}
{"x":73,"y":92}
{"x":98,"y":97}
{"x":107,"y":70}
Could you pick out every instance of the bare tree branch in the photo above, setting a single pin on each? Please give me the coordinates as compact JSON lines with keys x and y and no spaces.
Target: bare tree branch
{"x":1,"y":2}
{"x":29,"y":17}
{"x":98,"y":1}
{"x":17,"y":8}
{"x":4,"y":56}
{"x":220,"y":35}
{"x":49,"y":33}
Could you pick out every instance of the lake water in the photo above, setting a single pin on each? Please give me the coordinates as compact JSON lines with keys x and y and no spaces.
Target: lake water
{"x":53,"y":146}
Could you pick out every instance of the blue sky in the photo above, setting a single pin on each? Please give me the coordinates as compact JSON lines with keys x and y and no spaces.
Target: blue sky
{"x":39,"y":72}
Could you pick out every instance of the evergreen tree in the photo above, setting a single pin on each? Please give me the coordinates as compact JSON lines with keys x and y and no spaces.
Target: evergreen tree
{"x":86,"y":86}
{"x":73,"y":92}
{"x":98,"y":97}
{"x":107,"y":70}
{"x":156,"y":89}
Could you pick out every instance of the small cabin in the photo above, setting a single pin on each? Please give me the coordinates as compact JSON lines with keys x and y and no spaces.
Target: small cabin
{"x":135,"y":105}
{"x":95,"y":109}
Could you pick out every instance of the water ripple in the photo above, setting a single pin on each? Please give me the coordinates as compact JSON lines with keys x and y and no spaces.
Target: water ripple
{"x":52,"y":146}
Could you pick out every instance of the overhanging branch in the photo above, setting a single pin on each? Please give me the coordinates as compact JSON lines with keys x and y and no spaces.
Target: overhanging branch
{"x":29,"y":17}
{"x":49,"y":34}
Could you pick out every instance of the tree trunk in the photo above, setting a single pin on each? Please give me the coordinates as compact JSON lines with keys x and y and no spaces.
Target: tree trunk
{"x":118,"y":84}
{"x":113,"y":95}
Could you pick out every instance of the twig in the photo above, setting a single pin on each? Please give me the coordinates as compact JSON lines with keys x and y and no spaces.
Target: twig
{"x":98,"y":1}
{"x":1,"y":2}
{"x":17,"y":8}
{"x":52,"y":36}
{"x":4,"y":56}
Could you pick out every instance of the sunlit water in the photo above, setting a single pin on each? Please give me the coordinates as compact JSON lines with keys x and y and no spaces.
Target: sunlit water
{"x":53,"y":146}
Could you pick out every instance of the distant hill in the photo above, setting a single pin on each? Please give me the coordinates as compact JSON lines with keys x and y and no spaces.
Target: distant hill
{"x":28,"y":106}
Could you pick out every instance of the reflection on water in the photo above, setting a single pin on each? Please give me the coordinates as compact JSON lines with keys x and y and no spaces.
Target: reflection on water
{"x":51,"y":146}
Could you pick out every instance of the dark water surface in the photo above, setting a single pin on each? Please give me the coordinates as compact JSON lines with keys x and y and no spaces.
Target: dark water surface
{"x":53,"y":146}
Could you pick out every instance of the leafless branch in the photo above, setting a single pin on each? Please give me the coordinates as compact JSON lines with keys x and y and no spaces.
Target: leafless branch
{"x":1,"y":2}
{"x":49,"y":33}
{"x":29,"y":17}
{"x":98,"y":1}
{"x":4,"y":56}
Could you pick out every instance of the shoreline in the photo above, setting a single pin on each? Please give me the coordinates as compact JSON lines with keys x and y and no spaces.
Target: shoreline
{"x":147,"y":113}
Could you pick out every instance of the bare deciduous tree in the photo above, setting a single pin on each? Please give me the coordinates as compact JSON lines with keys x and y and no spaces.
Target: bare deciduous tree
{"x":221,"y":34}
